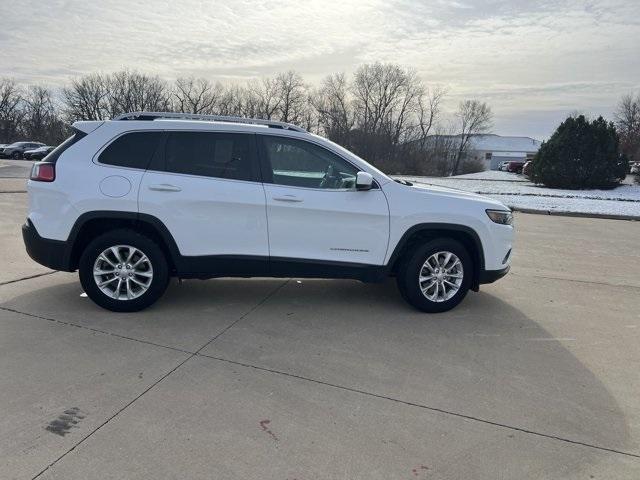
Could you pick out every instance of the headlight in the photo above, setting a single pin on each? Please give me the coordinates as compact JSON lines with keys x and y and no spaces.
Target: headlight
{"x":500,"y":216}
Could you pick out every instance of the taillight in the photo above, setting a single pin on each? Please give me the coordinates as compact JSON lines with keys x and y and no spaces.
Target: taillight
{"x":43,"y":172}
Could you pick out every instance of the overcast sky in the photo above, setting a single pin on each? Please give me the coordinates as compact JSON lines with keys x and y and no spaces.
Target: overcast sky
{"x":534,"y":62}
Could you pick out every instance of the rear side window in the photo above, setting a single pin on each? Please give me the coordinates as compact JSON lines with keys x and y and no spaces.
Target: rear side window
{"x":132,"y":150}
{"x":208,"y":154}
{"x":60,"y":149}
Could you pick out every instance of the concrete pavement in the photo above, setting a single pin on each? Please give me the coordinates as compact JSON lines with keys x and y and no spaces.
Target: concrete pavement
{"x":533,"y":377}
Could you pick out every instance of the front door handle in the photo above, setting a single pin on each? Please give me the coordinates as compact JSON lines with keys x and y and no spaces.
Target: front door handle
{"x":287,"y":198}
{"x":165,"y":187}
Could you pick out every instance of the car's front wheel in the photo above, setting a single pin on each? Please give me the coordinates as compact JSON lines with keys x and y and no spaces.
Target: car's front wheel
{"x":436,"y":276}
{"x":16,"y":155}
{"x":123,"y":271}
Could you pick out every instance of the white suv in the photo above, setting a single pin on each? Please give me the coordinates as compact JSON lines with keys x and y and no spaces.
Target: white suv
{"x":136,"y":200}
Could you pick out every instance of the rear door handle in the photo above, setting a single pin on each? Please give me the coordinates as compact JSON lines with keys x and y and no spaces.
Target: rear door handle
{"x":165,"y":187}
{"x":287,"y":198}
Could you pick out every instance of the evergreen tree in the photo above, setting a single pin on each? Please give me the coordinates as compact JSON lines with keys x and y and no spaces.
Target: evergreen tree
{"x":581,"y":154}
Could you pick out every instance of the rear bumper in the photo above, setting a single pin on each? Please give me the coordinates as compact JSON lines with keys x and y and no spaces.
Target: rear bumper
{"x":54,"y":254}
{"x":490,"y":276}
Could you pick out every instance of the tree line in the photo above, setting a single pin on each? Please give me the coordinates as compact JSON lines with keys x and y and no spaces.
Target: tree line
{"x":383,"y":112}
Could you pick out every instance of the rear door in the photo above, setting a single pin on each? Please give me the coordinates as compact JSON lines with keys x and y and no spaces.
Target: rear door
{"x":205,"y":188}
{"x":314,"y":211}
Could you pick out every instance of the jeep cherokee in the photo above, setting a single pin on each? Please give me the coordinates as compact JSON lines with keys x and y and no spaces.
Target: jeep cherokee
{"x":147,"y":196}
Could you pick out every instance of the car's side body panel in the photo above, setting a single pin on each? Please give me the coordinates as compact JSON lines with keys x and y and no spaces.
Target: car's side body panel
{"x":414,"y":206}
{"x":82,"y":186}
{"x":208,"y":216}
{"x":333,"y":225}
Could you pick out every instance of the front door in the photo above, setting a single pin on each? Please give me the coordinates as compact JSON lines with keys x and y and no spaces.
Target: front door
{"x":313,"y":209}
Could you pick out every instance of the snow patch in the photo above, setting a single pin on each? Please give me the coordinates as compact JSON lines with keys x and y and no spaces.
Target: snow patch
{"x":517,"y":192}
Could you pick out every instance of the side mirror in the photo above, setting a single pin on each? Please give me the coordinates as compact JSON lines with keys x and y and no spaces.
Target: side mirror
{"x":364,"y":181}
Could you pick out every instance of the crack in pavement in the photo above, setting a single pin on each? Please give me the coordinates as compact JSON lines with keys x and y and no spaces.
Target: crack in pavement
{"x":94,"y":330}
{"x":192,"y":355}
{"x":28,"y":277}
{"x":589,"y":282}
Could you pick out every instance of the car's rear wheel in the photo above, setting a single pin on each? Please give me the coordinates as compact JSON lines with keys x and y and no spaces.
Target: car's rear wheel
{"x":436,"y":276}
{"x":123,"y":271}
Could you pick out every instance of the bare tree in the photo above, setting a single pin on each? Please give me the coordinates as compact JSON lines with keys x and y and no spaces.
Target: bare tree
{"x":86,"y":98}
{"x":196,"y":95}
{"x":133,"y":91}
{"x":429,"y":105}
{"x":334,"y":108}
{"x":628,"y":125}
{"x":231,"y":101}
{"x":386,"y":98}
{"x":292,"y":97}
{"x":384,"y":95}
{"x":10,"y":110}
{"x":264,"y":98}
{"x":41,"y":120}
{"x":474,"y":117}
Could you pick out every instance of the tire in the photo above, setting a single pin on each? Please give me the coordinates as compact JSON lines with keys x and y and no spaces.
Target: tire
{"x":443,"y":295}
{"x":16,"y":155}
{"x":139,"y":283}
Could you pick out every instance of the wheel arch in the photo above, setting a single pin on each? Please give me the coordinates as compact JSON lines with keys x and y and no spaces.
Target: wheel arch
{"x":91,"y":224}
{"x":427,"y":231}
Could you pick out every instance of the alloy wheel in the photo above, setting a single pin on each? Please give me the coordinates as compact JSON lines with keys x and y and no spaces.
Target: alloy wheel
{"x":123,"y":272}
{"x":440,"y":277}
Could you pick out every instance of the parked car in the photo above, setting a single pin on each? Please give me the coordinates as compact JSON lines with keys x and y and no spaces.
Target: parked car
{"x":515,"y":166}
{"x":16,"y":150}
{"x":527,"y":168}
{"x":130,"y":204}
{"x":503,"y":166}
{"x":635,"y":168}
{"x":38,"y":153}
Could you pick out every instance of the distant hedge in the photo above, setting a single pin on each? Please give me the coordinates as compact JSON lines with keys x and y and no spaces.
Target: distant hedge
{"x":580,"y":154}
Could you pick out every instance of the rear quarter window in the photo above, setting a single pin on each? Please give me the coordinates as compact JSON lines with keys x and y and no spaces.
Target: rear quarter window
{"x":60,"y":149}
{"x":132,"y":150}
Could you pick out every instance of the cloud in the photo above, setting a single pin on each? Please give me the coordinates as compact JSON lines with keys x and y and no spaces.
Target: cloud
{"x":520,"y":55}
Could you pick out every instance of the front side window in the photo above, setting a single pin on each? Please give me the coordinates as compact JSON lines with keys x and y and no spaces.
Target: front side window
{"x":221,"y":155}
{"x":133,"y":150}
{"x":298,"y":163}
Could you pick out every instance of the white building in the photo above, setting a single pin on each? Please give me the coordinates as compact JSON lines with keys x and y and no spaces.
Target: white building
{"x":494,"y":149}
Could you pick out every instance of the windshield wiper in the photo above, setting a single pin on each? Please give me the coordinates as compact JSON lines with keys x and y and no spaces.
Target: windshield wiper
{"x":403,"y":182}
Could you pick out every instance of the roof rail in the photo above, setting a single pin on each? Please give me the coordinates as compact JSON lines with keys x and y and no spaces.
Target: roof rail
{"x":209,"y":118}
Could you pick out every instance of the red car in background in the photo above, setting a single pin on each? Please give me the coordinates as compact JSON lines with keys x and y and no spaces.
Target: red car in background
{"x":515,"y":166}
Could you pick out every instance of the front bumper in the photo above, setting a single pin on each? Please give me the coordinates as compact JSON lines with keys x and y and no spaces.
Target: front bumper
{"x":54,"y":254}
{"x":490,"y":276}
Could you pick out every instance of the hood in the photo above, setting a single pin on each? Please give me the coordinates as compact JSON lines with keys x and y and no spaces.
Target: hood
{"x":455,"y":193}
{"x":445,"y":191}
